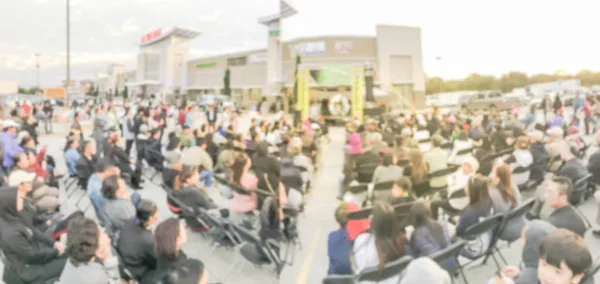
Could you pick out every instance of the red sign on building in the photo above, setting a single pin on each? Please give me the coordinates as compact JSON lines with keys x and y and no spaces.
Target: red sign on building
{"x":151,"y":35}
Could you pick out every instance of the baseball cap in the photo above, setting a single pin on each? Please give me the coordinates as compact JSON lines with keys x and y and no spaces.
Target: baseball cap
{"x":9,"y":123}
{"x":536,"y":135}
{"x":556,"y":131}
{"x":18,"y":177}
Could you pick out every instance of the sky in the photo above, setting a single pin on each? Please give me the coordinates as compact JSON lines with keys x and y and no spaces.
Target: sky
{"x":470,"y":36}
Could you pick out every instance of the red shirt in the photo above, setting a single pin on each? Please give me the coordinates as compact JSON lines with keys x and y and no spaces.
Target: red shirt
{"x":181,"y":118}
{"x":27,"y":109}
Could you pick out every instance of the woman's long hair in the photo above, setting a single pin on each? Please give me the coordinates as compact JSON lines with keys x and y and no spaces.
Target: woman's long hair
{"x":388,"y":234}
{"x":505,"y":185}
{"x":165,"y":238}
{"x":186,"y":173}
{"x":421,"y":216}
{"x":418,"y":165}
{"x":479,"y":196}
{"x":239,"y":163}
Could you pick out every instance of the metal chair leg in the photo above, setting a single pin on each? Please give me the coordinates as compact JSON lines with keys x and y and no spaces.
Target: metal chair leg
{"x":462,"y":272}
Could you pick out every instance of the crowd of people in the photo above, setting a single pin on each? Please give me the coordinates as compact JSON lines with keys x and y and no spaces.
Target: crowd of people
{"x":427,"y":180}
{"x":262,"y":173}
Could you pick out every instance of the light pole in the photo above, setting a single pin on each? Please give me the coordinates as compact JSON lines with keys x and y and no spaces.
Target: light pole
{"x":68,"y":43}
{"x":37,"y":66}
{"x":439,"y":59}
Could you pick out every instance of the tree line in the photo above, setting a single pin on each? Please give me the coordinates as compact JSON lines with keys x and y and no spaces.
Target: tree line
{"x":506,"y":82}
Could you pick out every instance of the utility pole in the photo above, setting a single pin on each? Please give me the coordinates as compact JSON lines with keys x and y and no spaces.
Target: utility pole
{"x":37,"y":66}
{"x":68,"y":43}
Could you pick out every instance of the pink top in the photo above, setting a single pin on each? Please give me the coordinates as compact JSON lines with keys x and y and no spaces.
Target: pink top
{"x":245,"y":203}
{"x":355,"y":144}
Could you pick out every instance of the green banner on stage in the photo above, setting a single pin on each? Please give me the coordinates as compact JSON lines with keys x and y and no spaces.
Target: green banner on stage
{"x":334,"y":75}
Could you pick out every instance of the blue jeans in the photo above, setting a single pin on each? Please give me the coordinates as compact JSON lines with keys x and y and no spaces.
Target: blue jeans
{"x":135,"y":198}
{"x":207,"y":177}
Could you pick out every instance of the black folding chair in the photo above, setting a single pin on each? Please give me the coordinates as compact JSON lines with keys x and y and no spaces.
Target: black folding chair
{"x":365,"y":172}
{"x":537,"y":167}
{"x":522,"y":170}
{"x":440,"y":174}
{"x":390,"y":269}
{"x":447,"y":146}
{"x":10,"y":276}
{"x":251,"y":250}
{"x":451,"y":252}
{"x":339,"y":279}
{"x":582,"y":189}
{"x":489,"y":226}
{"x":402,"y":163}
{"x":591,"y":272}
{"x":515,"y":214}
{"x":360,"y":214}
{"x":156,"y":162}
{"x":421,"y":188}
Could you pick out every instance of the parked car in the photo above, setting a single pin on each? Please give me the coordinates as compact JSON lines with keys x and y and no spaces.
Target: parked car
{"x":489,"y":99}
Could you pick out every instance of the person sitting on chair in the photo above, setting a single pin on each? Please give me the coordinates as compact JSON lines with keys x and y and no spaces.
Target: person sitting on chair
{"x":126,"y":165}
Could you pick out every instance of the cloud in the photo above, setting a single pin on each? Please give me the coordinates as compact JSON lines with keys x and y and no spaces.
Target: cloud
{"x":129,"y":27}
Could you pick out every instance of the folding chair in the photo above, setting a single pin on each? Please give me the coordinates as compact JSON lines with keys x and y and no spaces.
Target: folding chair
{"x":221,"y":232}
{"x":389,"y":270}
{"x":447,"y":146}
{"x":339,"y":279}
{"x":68,"y":182}
{"x":538,"y":166}
{"x":402,"y":163}
{"x":358,"y":193}
{"x":158,"y":162}
{"x":365,"y":172}
{"x":460,"y":156}
{"x":383,"y":188}
{"x":591,"y":272}
{"x":250,"y":250}
{"x":489,"y":227}
{"x":360,"y":214}
{"x":516,"y":213}
{"x":451,"y":252}
{"x":439,"y":174}
{"x":581,"y":191}
{"x":9,"y":275}
{"x":521,"y":172}
{"x":421,"y":188}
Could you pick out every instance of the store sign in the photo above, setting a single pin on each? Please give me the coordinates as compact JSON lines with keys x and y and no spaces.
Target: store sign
{"x":309,"y":48}
{"x":206,"y":64}
{"x":236,"y":61}
{"x":343,"y":47}
{"x":257,"y":58}
{"x":151,"y":35}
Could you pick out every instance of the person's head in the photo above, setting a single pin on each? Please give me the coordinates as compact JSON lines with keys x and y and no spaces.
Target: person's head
{"x":27,"y":141}
{"x":22,"y":180}
{"x":564,"y":257}
{"x":388,"y":234}
{"x":402,"y":187}
{"x":470,"y":165}
{"x":436,"y":141}
{"x":113,"y":187}
{"x":189,"y":271}
{"x":558,"y":192}
{"x":201,"y":142}
{"x":9,"y":126}
{"x":21,"y":160}
{"x":73,"y":143}
{"x":169,"y":236}
{"x":146,"y":213}
{"x":555,"y":133}
{"x":522,"y":143}
{"x":502,"y":179}
{"x":187,"y":177}
{"x":77,"y":116}
{"x":241,"y":164}
{"x":387,"y":159}
{"x":477,"y":190}
{"x":174,"y":143}
{"x":105,"y":168}
{"x":85,"y":240}
{"x":420,"y":214}
{"x":87,"y":147}
{"x":341,"y":214}
{"x":535,"y":136}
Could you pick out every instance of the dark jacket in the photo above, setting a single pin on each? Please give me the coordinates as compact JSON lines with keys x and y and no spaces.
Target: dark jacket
{"x":121,"y":158}
{"x":338,"y":250}
{"x":168,"y":177}
{"x":538,"y":151}
{"x":28,"y":249}
{"x":263,"y":163}
{"x":470,"y":216}
{"x":194,"y":198}
{"x":85,"y":168}
{"x":423,"y":242}
{"x":136,"y":248}
{"x":594,"y":167}
{"x":291,"y":176}
{"x":165,"y":265}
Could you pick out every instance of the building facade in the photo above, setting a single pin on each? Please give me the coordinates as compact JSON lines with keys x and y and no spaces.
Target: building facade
{"x":394,"y":54}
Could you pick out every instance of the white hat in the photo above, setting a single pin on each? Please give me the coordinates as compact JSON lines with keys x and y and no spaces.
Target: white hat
{"x":144,"y":128}
{"x":556,"y":131}
{"x":536,"y":135}
{"x":9,"y":123}
{"x":18,"y":177}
